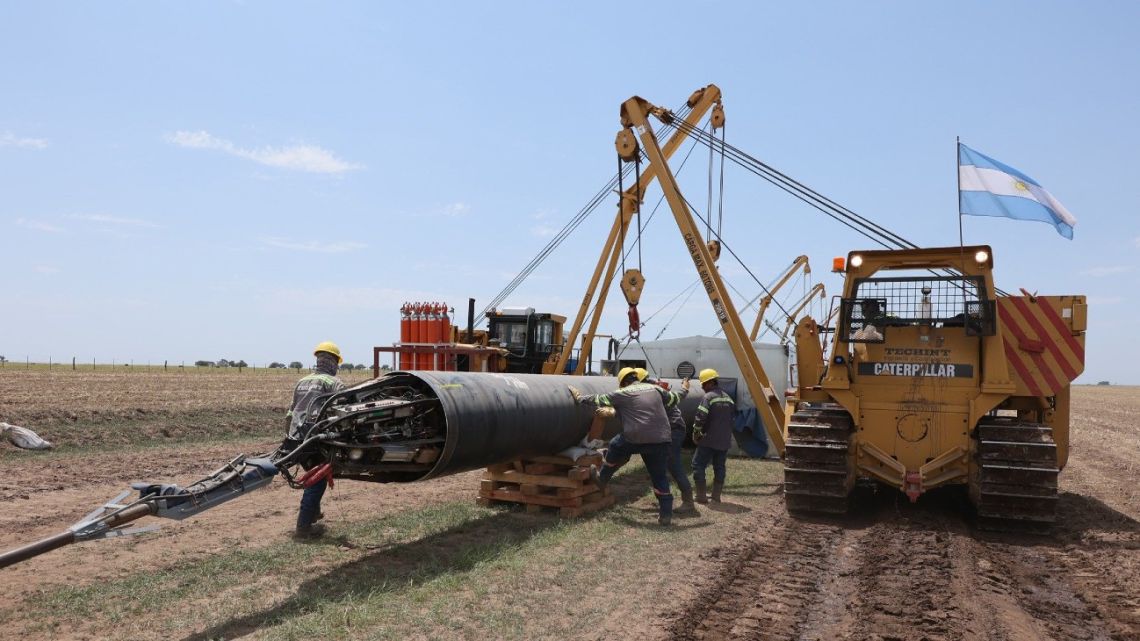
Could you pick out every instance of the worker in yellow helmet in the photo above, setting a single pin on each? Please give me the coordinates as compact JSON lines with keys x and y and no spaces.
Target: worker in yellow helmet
{"x":678,"y":432}
{"x":712,"y":432}
{"x":644,"y":430}
{"x":308,"y":396}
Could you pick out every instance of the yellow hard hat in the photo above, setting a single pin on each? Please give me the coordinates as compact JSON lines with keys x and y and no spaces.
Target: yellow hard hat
{"x":625,"y":371}
{"x":707,"y":375}
{"x":642,"y":373}
{"x":329,"y":347}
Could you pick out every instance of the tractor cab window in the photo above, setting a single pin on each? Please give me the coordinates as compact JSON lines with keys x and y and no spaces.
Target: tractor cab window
{"x":544,"y":336}
{"x":511,"y":335}
{"x":933,"y":301}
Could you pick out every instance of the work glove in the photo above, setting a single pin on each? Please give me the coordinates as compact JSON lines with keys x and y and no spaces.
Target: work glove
{"x":592,"y":444}
{"x":698,"y":435}
{"x":685,"y":384}
{"x":574,"y":393}
{"x":605,"y":412}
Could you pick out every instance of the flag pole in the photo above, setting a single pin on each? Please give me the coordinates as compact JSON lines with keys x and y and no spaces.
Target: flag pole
{"x":958,"y":173}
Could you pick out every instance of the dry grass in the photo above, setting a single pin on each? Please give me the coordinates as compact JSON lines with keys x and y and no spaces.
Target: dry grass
{"x":454,"y":571}
{"x":85,"y":408}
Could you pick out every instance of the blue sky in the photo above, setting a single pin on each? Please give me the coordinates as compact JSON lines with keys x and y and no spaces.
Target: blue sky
{"x":245,"y":179}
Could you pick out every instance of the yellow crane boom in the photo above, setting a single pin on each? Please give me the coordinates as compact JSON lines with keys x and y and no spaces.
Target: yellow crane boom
{"x":700,"y":102}
{"x":818,"y":289}
{"x":800,"y":261}
{"x":635,"y":114}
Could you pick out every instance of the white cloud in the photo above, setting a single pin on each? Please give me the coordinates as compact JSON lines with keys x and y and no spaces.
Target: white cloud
{"x":1099,"y":272}
{"x":308,"y":158}
{"x":544,"y":231}
{"x":344,"y":298}
{"x":456,"y":209}
{"x":38,"y":225}
{"x":114,"y":220}
{"x":9,"y":139}
{"x":46,"y":269}
{"x":313,"y":245}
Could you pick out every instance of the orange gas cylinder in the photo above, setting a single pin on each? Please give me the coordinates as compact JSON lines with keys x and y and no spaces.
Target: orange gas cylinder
{"x":405,"y":333}
{"x":417,"y":325}
{"x":445,"y":334}
{"x":437,"y":323}
{"x":422,"y":359}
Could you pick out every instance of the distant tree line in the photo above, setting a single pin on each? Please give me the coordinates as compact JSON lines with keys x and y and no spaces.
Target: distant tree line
{"x":221,"y":362}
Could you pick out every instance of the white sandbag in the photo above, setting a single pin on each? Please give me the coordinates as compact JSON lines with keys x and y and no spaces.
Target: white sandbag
{"x":576,"y":452}
{"x":24,"y":438}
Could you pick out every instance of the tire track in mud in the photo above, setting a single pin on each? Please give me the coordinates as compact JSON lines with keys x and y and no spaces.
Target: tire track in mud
{"x":898,"y":572}
{"x":766,"y":587}
{"x":1081,"y":582}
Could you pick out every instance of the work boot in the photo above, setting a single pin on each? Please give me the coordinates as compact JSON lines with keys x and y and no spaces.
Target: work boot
{"x":664,"y":520}
{"x":320,"y":515}
{"x":717,"y":487}
{"x":687,"y":506}
{"x":308,"y":532}
{"x":702,"y":498}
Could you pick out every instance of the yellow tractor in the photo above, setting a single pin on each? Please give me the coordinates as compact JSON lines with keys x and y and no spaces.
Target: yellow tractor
{"x":935,"y":379}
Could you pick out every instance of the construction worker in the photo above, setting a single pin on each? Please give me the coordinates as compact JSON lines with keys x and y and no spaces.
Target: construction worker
{"x":677,"y":433}
{"x":309,"y":390}
{"x":645,"y":431}
{"x":712,"y":432}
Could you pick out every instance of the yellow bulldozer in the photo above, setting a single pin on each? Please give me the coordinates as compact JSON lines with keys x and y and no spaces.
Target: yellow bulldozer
{"x":935,"y":376}
{"x":935,"y":379}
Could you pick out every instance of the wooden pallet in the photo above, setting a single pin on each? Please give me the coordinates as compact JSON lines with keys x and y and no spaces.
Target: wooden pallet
{"x":545,"y":482}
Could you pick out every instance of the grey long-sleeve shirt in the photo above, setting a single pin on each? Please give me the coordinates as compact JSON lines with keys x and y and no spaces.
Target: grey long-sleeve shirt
{"x":641,"y":407}
{"x":714,"y":417}
{"x":308,"y":390}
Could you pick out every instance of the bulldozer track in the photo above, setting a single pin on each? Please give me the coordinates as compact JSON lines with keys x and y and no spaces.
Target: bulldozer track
{"x":817,"y":471}
{"x":1014,"y":487}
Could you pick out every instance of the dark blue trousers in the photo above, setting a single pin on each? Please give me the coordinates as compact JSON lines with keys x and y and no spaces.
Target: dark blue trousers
{"x":676,"y":467}
{"x":705,"y":455}
{"x":311,"y":503}
{"x":656,"y":458}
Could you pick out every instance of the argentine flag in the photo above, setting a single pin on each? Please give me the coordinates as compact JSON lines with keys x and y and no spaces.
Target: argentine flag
{"x":990,"y":188}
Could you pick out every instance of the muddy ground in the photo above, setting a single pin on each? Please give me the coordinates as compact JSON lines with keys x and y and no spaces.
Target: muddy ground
{"x":892,"y":571}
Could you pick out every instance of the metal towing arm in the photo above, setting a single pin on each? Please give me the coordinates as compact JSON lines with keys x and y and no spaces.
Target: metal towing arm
{"x":236,"y":478}
{"x":635,"y":114}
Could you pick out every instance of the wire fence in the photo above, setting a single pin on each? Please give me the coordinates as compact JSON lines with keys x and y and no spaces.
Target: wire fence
{"x":167,"y":366}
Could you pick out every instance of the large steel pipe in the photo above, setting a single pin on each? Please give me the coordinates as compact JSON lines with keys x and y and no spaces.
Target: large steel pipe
{"x":482,"y":419}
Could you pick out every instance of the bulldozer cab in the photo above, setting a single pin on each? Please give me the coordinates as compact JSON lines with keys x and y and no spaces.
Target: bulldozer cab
{"x":919,"y":315}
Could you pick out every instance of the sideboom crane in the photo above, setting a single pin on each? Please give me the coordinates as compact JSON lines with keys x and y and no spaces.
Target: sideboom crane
{"x":635,"y":114}
{"x":800,"y":261}
{"x":699,"y":102}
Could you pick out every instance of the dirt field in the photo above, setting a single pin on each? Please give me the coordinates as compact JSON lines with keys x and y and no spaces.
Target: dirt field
{"x":422,"y":561}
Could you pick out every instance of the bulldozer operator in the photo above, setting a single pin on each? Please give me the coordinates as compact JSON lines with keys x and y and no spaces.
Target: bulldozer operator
{"x":645,"y":430}
{"x":308,"y":391}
